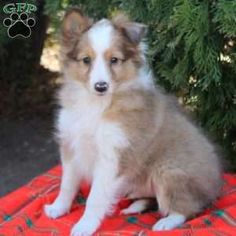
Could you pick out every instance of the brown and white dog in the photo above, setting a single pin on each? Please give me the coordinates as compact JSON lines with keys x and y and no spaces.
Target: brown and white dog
{"x":121,"y":133}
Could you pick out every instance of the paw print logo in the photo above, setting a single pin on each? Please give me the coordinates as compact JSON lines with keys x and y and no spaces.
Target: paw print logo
{"x":19,"y":25}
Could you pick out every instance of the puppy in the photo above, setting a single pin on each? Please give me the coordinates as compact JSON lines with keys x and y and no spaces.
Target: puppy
{"x":123,"y":134}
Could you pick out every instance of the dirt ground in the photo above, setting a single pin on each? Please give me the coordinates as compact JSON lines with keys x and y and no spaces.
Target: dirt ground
{"x":27,"y":146}
{"x":27,"y":149}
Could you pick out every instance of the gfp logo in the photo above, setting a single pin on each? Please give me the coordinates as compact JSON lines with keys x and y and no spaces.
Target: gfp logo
{"x":19,"y":23}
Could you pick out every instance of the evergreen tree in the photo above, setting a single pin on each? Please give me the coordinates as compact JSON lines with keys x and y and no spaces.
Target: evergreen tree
{"x":192,"y":50}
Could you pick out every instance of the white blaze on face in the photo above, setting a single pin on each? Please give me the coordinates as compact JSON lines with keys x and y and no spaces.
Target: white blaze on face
{"x":100,"y":38}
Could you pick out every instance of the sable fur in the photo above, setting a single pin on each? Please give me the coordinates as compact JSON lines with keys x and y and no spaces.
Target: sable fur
{"x":167,"y":153}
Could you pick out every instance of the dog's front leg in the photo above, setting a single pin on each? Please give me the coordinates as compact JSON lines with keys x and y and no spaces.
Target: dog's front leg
{"x":103,"y":195}
{"x":68,"y":191}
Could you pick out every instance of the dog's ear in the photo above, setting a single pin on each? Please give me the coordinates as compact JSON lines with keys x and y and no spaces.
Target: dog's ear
{"x":74,"y":24}
{"x":133,"y":30}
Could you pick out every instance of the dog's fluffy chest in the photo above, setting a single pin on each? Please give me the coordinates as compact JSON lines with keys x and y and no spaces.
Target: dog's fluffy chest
{"x":90,"y":137}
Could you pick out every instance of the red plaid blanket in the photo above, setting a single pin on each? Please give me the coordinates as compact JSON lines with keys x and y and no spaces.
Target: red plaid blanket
{"x":21,"y":213}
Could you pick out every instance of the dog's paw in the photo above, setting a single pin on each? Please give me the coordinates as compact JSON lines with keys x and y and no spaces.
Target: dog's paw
{"x":55,"y":210}
{"x":84,"y":227}
{"x":136,"y":207}
{"x":170,"y":222}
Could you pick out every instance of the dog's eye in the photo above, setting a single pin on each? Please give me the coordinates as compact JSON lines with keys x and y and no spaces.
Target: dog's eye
{"x":86,"y":60}
{"x":114,"y":60}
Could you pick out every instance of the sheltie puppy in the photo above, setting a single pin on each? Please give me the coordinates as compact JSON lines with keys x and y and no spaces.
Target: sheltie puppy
{"x":121,"y":133}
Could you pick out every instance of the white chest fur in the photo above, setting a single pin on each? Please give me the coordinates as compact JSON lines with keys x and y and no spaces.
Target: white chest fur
{"x":91,"y":138}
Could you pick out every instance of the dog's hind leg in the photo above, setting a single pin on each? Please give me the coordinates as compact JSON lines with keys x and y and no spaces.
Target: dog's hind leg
{"x":179,"y":197}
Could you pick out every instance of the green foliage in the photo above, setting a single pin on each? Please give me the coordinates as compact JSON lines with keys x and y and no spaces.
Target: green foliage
{"x":192,"y":50}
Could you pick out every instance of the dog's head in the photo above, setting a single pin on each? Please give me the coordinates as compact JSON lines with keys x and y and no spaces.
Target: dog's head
{"x":101,"y":56}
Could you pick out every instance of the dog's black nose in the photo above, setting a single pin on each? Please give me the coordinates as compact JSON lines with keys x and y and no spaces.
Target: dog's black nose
{"x":101,"y":87}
